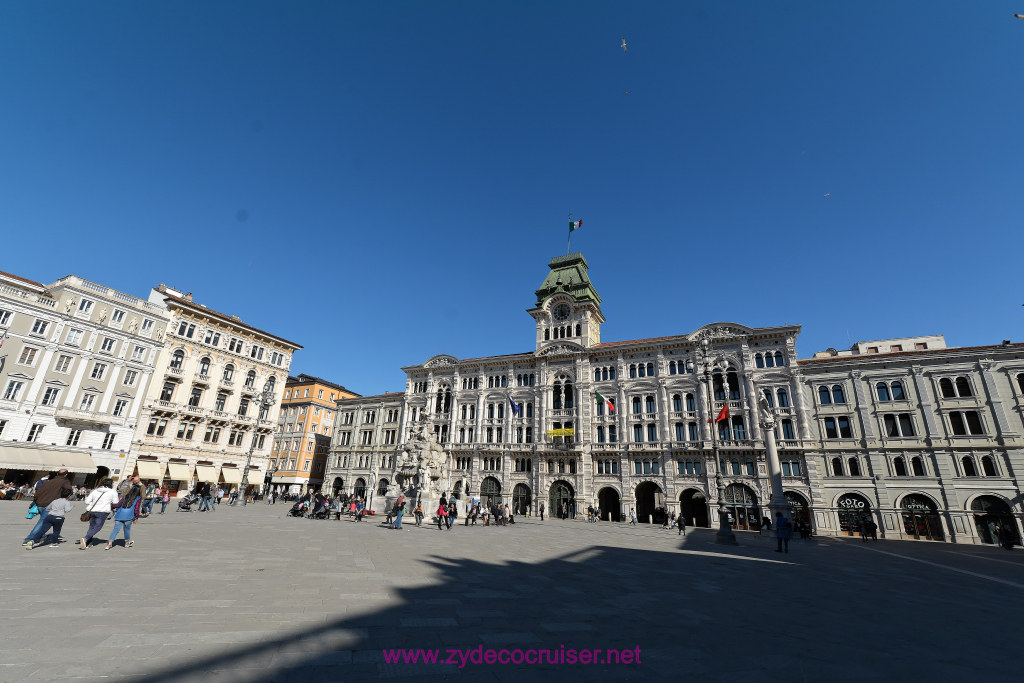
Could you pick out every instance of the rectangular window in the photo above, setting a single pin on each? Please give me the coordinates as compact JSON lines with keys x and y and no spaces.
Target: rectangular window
{"x":120,"y":407}
{"x":50,"y":396}
{"x":161,"y":428}
{"x":152,"y":427}
{"x":167,"y":392}
{"x":147,"y":326}
{"x":3,"y":426}
{"x":692,"y":432}
{"x":345,"y":438}
{"x":243,"y":407}
{"x":367,"y":437}
{"x":117,"y":317}
{"x":638,"y":433}
{"x":139,"y":353}
{"x":897,"y":347}
{"x":28,"y":356}
{"x":85,"y":307}
{"x":974,"y":422}
{"x":130,"y":377}
{"x":234,"y":345}
{"x":35,"y":432}
{"x":652,"y":432}
{"x":108,"y":441}
{"x":830,"y":428}
{"x":845,"y":431}
{"x":39,"y":327}
{"x":98,"y":370}
{"x":73,"y":436}
{"x":108,"y":344}
{"x":309,"y":446}
{"x":13,"y":390}
{"x":196,"y":397}
{"x":186,"y":329}
{"x":88,"y":401}
{"x":787,"y":429}
{"x":5,"y":317}
{"x":212,"y":338}
{"x":63,"y":364}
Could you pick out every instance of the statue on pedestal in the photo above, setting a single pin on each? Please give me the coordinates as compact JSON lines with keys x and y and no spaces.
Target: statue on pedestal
{"x":424,"y":469}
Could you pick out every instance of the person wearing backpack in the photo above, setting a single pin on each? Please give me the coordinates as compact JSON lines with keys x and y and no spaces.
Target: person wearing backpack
{"x":125,"y":512}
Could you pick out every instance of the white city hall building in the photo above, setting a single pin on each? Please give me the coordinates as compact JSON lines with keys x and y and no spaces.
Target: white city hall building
{"x":923,"y":439}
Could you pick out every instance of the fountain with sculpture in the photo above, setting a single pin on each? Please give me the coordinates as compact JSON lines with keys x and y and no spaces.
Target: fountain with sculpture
{"x":424,"y":470}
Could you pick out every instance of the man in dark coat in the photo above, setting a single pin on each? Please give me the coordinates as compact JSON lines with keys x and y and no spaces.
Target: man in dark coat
{"x":57,"y":486}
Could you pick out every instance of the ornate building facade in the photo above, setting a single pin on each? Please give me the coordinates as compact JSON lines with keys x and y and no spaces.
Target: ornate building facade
{"x":202,"y":415}
{"x":923,"y":439}
{"x":364,"y":446}
{"x":77,"y":359}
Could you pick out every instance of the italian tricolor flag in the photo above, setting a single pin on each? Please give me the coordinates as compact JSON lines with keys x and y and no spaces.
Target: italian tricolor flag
{"x":602,"y":399}
{"x":575,"y":225}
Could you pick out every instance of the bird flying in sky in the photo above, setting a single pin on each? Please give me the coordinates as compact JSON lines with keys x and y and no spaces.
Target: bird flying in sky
{"x":1019,"y":16}
{"x":624,"y":43}
{"x":828,"y":194}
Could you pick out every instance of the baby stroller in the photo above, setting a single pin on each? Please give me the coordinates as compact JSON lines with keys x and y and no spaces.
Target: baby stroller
{"x":322,"y":511}
{"x":186,"y":503}
{"x":298,"y":510}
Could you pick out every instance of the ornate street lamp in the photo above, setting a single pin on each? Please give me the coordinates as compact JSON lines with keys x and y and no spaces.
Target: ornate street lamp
{"x":707,"y":362}
{"x":265,"y":400}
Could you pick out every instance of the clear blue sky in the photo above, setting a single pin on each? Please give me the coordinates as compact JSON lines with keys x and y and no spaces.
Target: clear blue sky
{"x":385,"y":181}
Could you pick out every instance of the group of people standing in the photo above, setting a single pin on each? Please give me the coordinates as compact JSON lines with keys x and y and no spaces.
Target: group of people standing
{"x":53,"y":501}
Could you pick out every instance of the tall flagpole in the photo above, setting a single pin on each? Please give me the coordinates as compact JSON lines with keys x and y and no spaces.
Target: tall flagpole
{"x":568,"y":241}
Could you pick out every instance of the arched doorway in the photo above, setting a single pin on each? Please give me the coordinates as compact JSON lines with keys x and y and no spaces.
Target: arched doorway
{"x":990,"y":514}
{"x":520,"y":499}
{"x":360,"y":488}
{"x":801,"y":510}
{"x":650,"y":503}
{"x":608,"y":501}
{"x":457,"y":490}
{"x":490,"y":491}
{"x":741,"y":501}
{"x":921,"y":518}
{"x":338,"y":485}
{"x":694,"y":505}
{"x":561,"y":500}
{"x":854,"y":509}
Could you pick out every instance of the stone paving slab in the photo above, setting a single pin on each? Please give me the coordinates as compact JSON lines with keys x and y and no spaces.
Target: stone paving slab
{"x":248,"y":594}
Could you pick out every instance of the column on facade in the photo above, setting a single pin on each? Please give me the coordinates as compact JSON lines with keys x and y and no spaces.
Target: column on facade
{"x":76,"y":381}
{"x":803,"y":413}
{"x":862,"y":406}
{"x":665,"y":412}
{"x":750,"y":406}
{"x":995,"y":400}
{"x":923,"y":391}
{"x":32,"y":395}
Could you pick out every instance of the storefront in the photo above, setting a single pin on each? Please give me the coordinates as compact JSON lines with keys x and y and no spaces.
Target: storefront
{"x":991,"y":516}
{"x":179,"y":477}
{"x":798,"y":504}
{"x":853,"y":510}
{"x":25,"y":465}
{"x":921,"y":518}
{"x":744,"y":513}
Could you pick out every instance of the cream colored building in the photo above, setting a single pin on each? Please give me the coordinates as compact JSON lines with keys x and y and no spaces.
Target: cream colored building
{"x":76,"y":360}
{"x":202,"y":413}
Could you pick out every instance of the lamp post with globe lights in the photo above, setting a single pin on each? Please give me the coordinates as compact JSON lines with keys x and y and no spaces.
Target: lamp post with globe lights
{"x":265,"y":400}
{"x":707,"y":361}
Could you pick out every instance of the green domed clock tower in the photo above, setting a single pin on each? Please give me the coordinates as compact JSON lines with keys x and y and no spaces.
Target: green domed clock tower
{"x":568,"y":308}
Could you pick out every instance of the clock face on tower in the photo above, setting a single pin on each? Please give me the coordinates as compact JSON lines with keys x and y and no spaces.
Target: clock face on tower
{"x":562,"y":312}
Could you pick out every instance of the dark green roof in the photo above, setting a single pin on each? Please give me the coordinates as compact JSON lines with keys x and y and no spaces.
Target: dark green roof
{"x":568,"y":274}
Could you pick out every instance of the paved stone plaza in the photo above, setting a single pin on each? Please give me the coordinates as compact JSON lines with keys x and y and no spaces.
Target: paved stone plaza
{"x":252,"y":595}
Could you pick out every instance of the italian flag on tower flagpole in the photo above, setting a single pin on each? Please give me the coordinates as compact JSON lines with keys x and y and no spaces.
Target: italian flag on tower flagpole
{"x":602,"y":399}
{"x":575,"y":225}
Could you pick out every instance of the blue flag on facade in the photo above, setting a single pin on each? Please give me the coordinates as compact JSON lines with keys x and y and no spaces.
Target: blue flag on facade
{"x":515,"y":408}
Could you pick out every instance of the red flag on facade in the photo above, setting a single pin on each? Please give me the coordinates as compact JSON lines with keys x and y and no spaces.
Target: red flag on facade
{"x":723,"y":413}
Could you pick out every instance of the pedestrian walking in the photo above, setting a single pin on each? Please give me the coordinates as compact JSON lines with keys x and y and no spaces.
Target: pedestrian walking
{"x":150,"y":498}
{"x":783,"y":530}
{"x":1006,"y":536}
{"x":442,"y":515}
{"x":398,"y":516}
{"x":165,"y":498}
{"x":53,"y":518}
{"x":418,"y":513}
{"x":542,"y":512}
{"x":98,"y":505}
{"x":126,"y":511}
{"x":632,"y":517}
{"x":681,"y":523}
{"x":48,"y":490}
{"x":565,"y":511}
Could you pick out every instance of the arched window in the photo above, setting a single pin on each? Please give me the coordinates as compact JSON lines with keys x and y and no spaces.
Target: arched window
{"x":768,"y":397}
{"x":783,"y":398}
{"x":641,"y":371}
{"x":597,"y":375}
{"x":250,"y":379}
{"x":969,"y":469}
{"x":654,"y":467}
{"x":691,"y":403}
{"x":899,"y":467}
{"x":837,"y":467}
{"x":556,"y":396}
{"x":204,"y":365}
{"x":547,"y":334}
{"x":677,"y":403}
{"x":854,"y":467}
{"x":649,"y":404}
{"x":883,"y":391}
{"x":561,"y":467}
{"x":779,"y":359}
{"x":768,"y":360}
{"x":572,"y":467}
{"x":837,"y":394}
{"x":897,"y":391}
{"x":749,"y":465}
{"x":177,"y":358}
{"x":963,"y":387}
{"x":735,"y":466}
{"x":529,"y":410}
{"x":636,"y":405}
{"x":579,"y":330}
{"x":638,"y":467}
{"x":917,"y":466}
{"x":718,"y":382}
{"x":229,"y":372}
{"x":758,"y":361}
{"x":988,"y":466}
{"x":632,"y":371}
{"x":824,"y":397}
{"x":604,"y":373}
{"x":946,"y":388}
{"x":671,"y":367}
{"x":650,"y":369}
{"x":570,"y":395}
{"x":734,"y":386}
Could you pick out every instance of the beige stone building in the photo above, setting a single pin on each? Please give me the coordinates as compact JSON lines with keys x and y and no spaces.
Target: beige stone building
{"x":76,"y":360}
{"x":202,"y":414}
